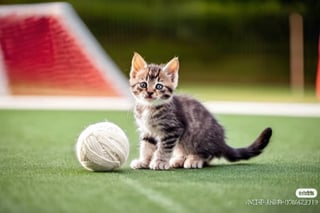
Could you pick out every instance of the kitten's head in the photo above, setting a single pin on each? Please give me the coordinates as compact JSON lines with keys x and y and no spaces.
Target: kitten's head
{"x":151,"y":83}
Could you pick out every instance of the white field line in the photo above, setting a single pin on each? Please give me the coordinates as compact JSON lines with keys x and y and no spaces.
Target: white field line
{"x":217,"y":107}
{"x":265,"y":108}
{"x":155,"y":196}
{"x":65,"y":103}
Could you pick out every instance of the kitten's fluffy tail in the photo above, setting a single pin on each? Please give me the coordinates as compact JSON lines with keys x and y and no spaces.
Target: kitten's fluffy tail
{"x":253,"y":150}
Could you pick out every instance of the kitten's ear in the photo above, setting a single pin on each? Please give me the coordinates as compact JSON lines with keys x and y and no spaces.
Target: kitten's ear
{"x":137,"y":64}
{"x":172,"y":68}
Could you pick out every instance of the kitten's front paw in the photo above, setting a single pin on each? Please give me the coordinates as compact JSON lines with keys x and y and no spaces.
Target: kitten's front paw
{"x":157,"y":164}
{"x":176,"y":162}
{"x":138,"y":164}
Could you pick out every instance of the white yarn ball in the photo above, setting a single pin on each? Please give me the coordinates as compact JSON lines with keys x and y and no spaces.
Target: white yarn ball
{"x":102,"y":147}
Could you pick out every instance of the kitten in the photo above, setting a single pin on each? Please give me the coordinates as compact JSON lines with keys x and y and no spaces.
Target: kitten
{"x":177,"y":131}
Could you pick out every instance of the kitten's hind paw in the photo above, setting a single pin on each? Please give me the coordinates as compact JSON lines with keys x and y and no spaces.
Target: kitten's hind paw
{"x":138,"y":164}
{"x":193,"y":162}
{"x":159,"y":165}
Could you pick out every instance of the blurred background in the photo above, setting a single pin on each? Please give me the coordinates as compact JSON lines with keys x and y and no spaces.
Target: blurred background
{"x":222,"y":44}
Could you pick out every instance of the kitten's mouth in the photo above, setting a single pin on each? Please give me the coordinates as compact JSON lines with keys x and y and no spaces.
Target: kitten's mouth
{"x":149,"y":97}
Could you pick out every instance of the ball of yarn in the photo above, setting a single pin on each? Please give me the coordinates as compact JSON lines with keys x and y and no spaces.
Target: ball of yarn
{"x":102,"y":147}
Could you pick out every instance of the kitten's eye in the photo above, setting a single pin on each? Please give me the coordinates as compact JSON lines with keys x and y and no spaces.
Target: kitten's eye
{"x":143,"y":85}
{"x":159,"y":86}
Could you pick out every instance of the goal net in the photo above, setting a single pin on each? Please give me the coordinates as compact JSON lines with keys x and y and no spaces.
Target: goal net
{"x":45,"y":49}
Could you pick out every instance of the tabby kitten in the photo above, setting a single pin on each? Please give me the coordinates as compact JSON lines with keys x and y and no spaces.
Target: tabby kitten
{"x":177,"y":131}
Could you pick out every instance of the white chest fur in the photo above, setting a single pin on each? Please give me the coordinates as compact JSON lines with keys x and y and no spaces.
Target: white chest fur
{"x":143,"y":121}
{"x":146,"y":124}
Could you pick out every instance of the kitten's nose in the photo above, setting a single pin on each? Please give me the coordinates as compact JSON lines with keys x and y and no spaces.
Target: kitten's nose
{"x":149,"y":93}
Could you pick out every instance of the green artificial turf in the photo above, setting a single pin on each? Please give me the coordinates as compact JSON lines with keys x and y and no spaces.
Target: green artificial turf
{"x":39,"y":171}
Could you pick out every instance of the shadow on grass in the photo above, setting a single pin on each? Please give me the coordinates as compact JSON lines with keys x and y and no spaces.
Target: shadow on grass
{"x":211,"y":168}
{"x":245,"y":170}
